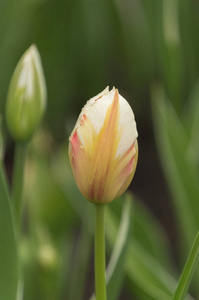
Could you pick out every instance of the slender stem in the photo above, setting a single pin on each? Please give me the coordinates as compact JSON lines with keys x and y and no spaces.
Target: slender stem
{"x":17,"y":194}
{"x":100,"y":264}
{"x":17,"y":183}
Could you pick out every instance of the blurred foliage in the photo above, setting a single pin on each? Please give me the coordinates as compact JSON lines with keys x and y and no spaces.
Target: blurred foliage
{"x":8,"y":252}
{"x":149,"y":50}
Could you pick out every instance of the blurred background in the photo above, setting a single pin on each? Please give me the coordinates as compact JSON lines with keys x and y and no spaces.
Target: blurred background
{"x":149,"y":51}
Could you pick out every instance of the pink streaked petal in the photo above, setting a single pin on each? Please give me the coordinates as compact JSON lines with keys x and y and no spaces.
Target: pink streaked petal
{"x":131,"y":169}
{"x":83,"y":119}
{"x":75,"y":142}
{"x":79,"y":162}
{"x":123,"y":171}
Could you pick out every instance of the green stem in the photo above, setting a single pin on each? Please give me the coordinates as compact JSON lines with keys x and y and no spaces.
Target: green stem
{"x":100,"y":264}
{"x":17,"y":182}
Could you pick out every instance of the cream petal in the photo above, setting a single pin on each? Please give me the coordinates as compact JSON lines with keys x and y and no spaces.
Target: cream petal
{"x":95,"y":110}
{"x":88,"y":109}
{"x":127,"y":126}
{"x":98,"y":109}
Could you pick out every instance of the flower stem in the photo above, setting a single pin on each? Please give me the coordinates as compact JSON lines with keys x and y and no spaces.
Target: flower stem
{"x":100,"y":264}
{"x":17,"y":182}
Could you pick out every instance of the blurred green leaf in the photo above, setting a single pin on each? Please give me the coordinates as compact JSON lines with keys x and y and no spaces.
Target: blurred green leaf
{"x":189,"y":25}
{"x":41,"y":265}
{"x":172,"y":56}
{"x":47,"y":204}
{"x":191,"y":120}
{"x":136,"y":35}
{"x":181,"y":174}
{"x":188,"y":271}
{"x":145,"y":272}
{"x":151,"y":235}
{"x":8,"y":249}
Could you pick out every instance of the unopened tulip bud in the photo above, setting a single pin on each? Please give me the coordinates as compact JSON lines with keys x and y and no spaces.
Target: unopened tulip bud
{"x":26,"y":100}
{"x":103,"y":148}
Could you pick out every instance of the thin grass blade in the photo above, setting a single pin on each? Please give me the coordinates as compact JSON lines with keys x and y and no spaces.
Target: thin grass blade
{"x":188,"y":271}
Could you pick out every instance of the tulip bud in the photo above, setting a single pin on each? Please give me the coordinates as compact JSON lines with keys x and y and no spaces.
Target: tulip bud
{"x":103,"y":148}
{"x":26,"y":100}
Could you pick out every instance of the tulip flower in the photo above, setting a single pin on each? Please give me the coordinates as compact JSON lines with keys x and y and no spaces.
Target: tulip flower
{"x":103,"y":153}
{"x":103,"y":148}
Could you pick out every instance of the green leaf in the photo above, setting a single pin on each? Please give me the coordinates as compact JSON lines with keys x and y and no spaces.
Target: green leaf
{"x":188,"y":271}
{"x":8,"y":249}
